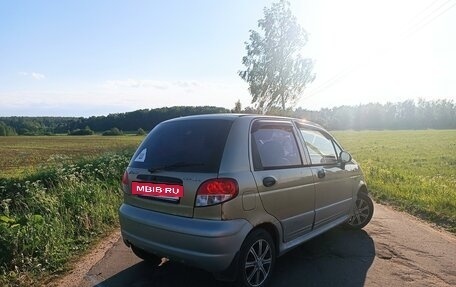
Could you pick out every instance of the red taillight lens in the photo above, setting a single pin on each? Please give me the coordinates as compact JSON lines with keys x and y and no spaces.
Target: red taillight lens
{"x":215,"y":191}
{"x":125,"y":178}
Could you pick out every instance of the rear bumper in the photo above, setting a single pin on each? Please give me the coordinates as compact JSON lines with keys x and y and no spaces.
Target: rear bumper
{"x":207,"y":244}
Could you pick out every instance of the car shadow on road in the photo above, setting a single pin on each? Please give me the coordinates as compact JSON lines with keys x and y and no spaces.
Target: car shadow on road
{"x":339,"y":257}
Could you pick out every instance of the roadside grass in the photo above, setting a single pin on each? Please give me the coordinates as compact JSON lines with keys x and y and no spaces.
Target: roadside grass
{"x":412,"y":170}
{"x":22,"y":155}
{"x":56,"y":213}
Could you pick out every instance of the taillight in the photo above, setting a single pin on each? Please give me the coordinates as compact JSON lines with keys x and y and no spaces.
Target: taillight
{"x":215,"y":191}
{"x":125,"y":178}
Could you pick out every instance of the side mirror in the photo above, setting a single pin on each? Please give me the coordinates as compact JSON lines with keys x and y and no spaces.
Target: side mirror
{"x":345,"y":157}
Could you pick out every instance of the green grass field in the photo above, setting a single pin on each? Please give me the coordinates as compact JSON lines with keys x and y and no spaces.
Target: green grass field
{"x":24,"y":154}
{"x":412,"y":170}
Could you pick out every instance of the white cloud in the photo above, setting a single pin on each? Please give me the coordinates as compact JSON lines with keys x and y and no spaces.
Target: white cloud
{"x":37,"y":76}
{"x":134,"y":83}
{"x":186,"y":84}
{"x":33,"y":75}
{"x":123,"y":96}
{"x":145,"y":93}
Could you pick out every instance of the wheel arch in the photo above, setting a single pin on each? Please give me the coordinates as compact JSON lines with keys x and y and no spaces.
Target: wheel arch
{"x":272,"y":230}
{"x":231,"y":273}
{"x":362,"y":189}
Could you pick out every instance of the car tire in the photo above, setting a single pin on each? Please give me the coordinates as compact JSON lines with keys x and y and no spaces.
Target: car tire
{"x":363,"y":211}
{"x":146,"y":256}
{"x":256,"y":259}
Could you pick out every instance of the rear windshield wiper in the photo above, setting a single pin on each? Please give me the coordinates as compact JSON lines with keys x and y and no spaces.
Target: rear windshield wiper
{"x":175,"y":166}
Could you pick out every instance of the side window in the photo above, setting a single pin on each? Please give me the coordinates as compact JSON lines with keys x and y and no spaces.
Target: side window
{"x":321,"y":149}
{"x":274,"y":146}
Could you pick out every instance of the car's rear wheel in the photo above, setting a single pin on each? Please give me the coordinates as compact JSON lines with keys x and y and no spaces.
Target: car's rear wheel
{"x":362,"y":211}
{"x":256,"y":260}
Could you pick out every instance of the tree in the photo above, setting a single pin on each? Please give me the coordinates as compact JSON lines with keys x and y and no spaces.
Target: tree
{"x":237,"y":107}
{"x":275,"y":70}
{"x":6,"y":130}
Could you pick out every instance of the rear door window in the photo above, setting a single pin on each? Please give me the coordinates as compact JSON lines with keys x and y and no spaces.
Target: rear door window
{"x":185,"y":145}
{"x":274,"y":146}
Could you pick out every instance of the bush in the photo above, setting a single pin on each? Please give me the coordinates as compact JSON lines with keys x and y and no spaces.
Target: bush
{"x":113,"y":132}
{"x":140,"y":132}
{"x":80,"y":132}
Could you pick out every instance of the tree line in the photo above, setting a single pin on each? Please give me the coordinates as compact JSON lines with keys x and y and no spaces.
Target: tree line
{"x":112,"y":124}
{"x":439,"y":114}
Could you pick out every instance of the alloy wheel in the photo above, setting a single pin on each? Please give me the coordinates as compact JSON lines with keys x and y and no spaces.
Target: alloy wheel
{"x":258,"y":262}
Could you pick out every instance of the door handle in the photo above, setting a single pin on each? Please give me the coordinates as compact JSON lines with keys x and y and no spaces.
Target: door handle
{"x":321,"y":173}
{"x":269,"y":181}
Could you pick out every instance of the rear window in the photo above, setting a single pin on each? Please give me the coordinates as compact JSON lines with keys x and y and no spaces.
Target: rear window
{"x":186,"y":145}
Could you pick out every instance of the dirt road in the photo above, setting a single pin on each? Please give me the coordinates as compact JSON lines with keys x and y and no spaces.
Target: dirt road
{"x":395,"y":249}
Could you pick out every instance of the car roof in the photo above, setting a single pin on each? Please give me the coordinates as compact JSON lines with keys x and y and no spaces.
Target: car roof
{"x":230,"y":116}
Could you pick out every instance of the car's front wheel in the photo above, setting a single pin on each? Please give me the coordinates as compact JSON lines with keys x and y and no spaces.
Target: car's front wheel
{"x":362,"y":211}
{"x":256,"y":260}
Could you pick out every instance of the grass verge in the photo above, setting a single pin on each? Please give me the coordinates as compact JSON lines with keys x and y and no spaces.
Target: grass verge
{"x":50,"y":216}
{"x":414,"y":171}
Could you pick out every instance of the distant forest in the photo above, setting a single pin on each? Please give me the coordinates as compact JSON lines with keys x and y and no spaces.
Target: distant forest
{"x":440,"y":114}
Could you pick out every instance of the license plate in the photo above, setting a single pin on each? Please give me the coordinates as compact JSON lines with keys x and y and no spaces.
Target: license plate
{"x":162,"y":190}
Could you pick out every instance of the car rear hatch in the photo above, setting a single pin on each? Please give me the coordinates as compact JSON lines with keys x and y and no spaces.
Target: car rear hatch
{"x":173,"y":161}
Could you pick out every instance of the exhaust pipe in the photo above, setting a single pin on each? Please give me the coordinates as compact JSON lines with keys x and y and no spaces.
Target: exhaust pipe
{"x":164,"y":260}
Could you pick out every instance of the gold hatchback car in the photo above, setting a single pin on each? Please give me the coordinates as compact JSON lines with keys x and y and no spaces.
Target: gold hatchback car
{"x":230,"y":193}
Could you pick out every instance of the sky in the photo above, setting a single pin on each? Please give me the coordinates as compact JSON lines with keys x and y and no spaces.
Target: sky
{"x":85,"y":58}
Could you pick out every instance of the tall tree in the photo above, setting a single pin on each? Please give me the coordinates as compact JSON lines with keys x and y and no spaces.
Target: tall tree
{"x":275,"y":70}
{"x":237,"y":107}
